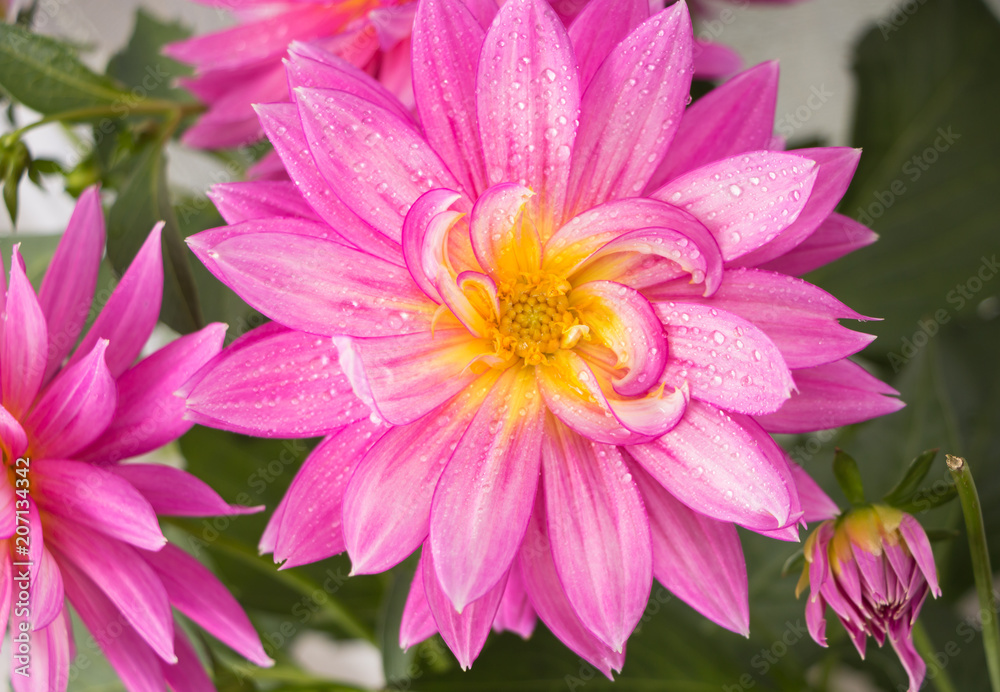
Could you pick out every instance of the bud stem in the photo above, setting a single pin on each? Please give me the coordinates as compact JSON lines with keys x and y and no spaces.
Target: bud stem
{"x":926,"y":648}
{"x":973,"y":513}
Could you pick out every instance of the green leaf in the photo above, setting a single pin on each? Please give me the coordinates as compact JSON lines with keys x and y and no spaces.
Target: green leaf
{"x":141,"y":65}
{"x":928,"y":95}
{"x":45,"y":75}
{"x":848,"y":477}
{"x":911,"y":480}
{"x":928,"y":499}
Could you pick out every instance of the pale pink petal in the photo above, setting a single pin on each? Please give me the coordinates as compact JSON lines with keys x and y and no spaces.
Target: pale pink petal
{"x":920,"y":547}
{"x":726,"y":360}
{"x":464,"y":631}
{"x":6,"y":587}
{"x":425,"y":229}
{"x":275,"y":382}
{"x":395,"y":164}
{"x":148,"y":414}
{"x":716,"y":467}
{"x":600,"y":27}
{"x":418,"y":622}
{"x":289,"y":279}
{"x":697,"y":558}
{"x":130,"y":314}
{"x":631,"y":110}
{"x":829,"y":396}
{"x":47,"y":596}
{"x":404,"y":391}
{"x":528,"y":101}
{"x":260,"y":199}
{"x":68,"y":287}
{"x":504,"y":244}
{"x":177,"y":493}
{"x":8,"y":508}
{"x":738,"y":198}
{"x":310,"y":528}
{"x":714,"y":60}
{"x":187,"y":675}
{"x":446,"y":44}
{"x":835,"y":237}
{"x":799,"y":318}
{"x":405,"y":464}
{"x":75,"y":408}
{"x":196,"y":592}
{"x":734,"y":118}
{"x":98,"y":499}
{"x":482,"y":501}
{"x":599,"y":531}
{"x":515,"y":613}
{"x":49,"y":659}
{"x":25,"y":342}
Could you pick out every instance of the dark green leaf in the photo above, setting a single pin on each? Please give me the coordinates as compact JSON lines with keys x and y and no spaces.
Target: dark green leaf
{"x":912,"y":479}
{"x":928,"y":499}
{"x":848,"y":477}
{"x":141,"y":65}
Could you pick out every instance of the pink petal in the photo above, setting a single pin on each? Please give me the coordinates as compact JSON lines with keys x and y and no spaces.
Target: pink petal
{"x":714,"y":60}
{"x":549,"y":599}
{"x":697,"y":558}
{"x":631,"y":110}
{"x":911,"y":659}
{"x":47,"y":596}
{"x":835,"y":237}
{"x":446,"y":44}
{"x":8,"y":512}
{"x":920,"y":548}
{"x":50,"y":654}
{"x":418,"y":621}
{"x":187,"y":674}
{"x":395,"y":164}
{"x":830,"y":396}
{"x":260,"y":199}
{"x":528,"y":102}
{"x":97,"y":499}
{"x":736,"y":198}
{"x":464,"y":631}
{"x":122,"y":575}
{"x":816,"y":504}
{"x":515,"y":613}
{"x":403,"y":392}
{"x":815,"y":621}
{"x":130,"y":314}
{"x":24,"y":348}
{"x":177,"y":493}
{"x":13,"y":440}
{"x":600,"y":27}
{"x":75,"y":408}
{"x":68,"y":287}
{"x":482,"y":502}
{"x":599,"y":531}
{"x":734,"y":118}
{"x":310,"y":528}
{"x":742,"y":483}
{"x":799,"y":318}
{"x":503,"y":243}
{"x":229,"y":122}
{"x":288,"y":278}
{"x":425,"y":230}
{"x":275,"y":382}
{"x":284,"y":129}
{"x":196,"y":592}
{"x":483,"y":10}
{"x":269,"y":168}
{"x":148,"y":414}
{"x":405,"y":464}
{"x":725,"y":359}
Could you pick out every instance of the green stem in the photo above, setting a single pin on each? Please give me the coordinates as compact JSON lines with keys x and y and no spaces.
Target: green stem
{"x":151,"y":107}
{"x":926,"y":648}
{"x":980,"y":564}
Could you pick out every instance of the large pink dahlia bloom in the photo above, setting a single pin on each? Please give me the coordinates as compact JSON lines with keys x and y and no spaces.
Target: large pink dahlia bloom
{"x":78,"y":527}
{"x":546,"y":331}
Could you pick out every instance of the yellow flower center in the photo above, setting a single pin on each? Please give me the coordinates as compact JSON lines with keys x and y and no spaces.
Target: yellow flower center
{"x":535,"y":318}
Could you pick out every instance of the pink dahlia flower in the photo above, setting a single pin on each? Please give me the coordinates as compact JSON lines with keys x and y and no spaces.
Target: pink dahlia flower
{"x":78,"y":527}
{"x":546,"y":332}
{"x":874,"y":567}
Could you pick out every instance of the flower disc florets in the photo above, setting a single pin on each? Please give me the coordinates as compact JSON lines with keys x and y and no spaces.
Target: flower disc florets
{"x":535,"y":318}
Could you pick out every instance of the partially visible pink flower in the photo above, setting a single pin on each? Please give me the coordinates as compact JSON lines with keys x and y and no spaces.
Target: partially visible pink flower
{"x":77,"y":526}
{"x":545,"y":330}
{"x":874,"y":567}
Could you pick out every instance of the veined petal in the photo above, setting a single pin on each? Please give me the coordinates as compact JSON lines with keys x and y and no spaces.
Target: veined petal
{"x":24,"y":348}
{"x":260,"y":199}
{"x":275,"y":382}
{"x":447,"y":39}
{"x":413,"y":374}
{"x":13,"y":440}
{"x":483,"y":10}
{"x":839,"y":235}
{"x":727,"y":360}
{"x":310,"y":528}
{"x":47,"y":595}
{"x":148,"y":415}
{"x":799,"y":318}
{"x":504,"y":242}
{"x":734,"y":118}
{"x":404,"y":464}
{"x":716,"y":467}
{"x":425,"y":234}
{"x":599,"y":28}
{"x":128,"y":318}
{"x":736,"y":198}
{"x":515,"y":613}
{"x":528,"y":101}
{"x":197,"y":593}
{"x":289,"y":279}
{"x":50,"y":657}
{"x":631,"y":110}
{"x":920,"y":547}
{"x":75,"y":408}
{"x":177,"y":493}
{"x":187,"y":673}
{"x":697,"y":558}
{"x":482,"y":502}
{"x":68,"y":287}
{"x":463,"y":631}
{"x":599,"y":531}
{"x":830,"y":396}
{"x":621,"y":318}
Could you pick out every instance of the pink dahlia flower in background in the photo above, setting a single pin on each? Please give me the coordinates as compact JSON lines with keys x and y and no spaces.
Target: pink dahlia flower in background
{"x":873,"y":566}
{"x":78,"y":527}
{"x":546,"y":331}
